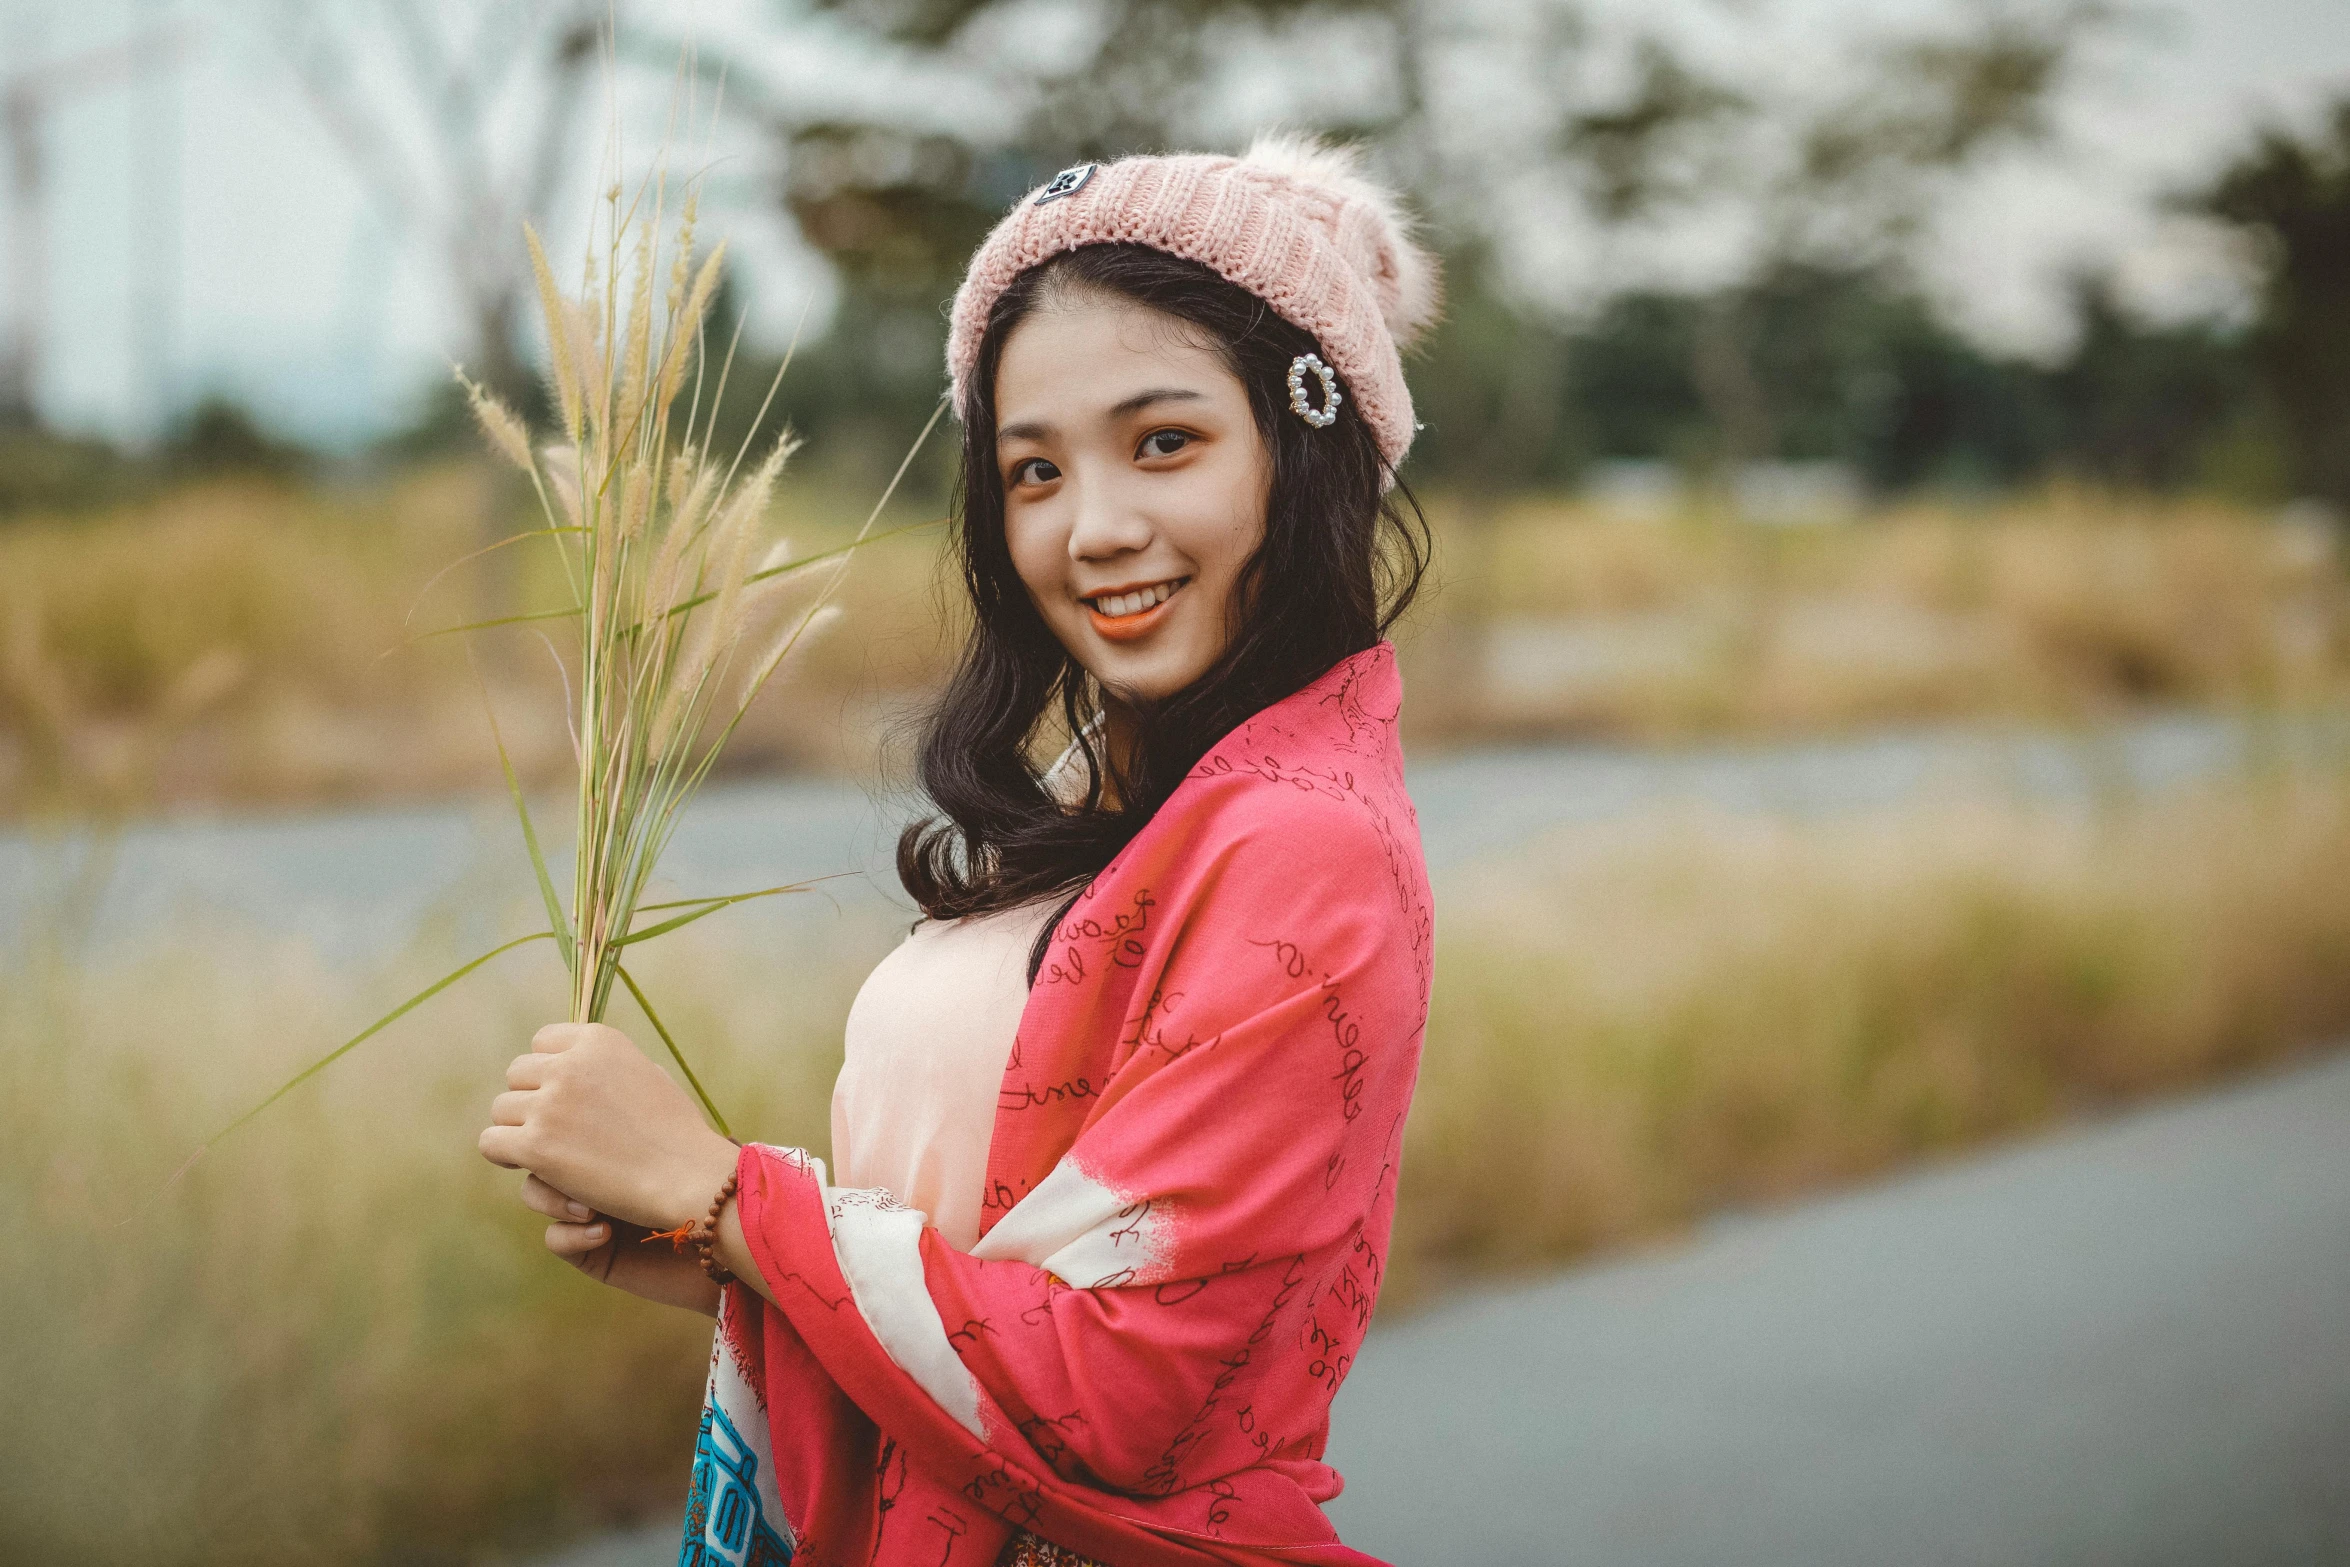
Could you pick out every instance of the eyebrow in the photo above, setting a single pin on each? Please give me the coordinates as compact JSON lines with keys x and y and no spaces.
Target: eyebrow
{"x":1158,"y":394}
{"x":1037,"y":429}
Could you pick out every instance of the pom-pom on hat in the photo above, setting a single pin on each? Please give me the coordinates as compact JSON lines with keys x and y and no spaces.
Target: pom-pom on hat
{"x":1293,"y":220}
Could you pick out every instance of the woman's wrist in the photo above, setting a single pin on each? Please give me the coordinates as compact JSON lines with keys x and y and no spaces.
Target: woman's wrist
{"x":698,"y":1180}
{"x":732,"y":1249}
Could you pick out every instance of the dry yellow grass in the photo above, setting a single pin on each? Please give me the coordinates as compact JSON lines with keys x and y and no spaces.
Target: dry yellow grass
{"x":250,"y":642}
{"x":2055,"y":606}
{"x":222,"y":643}
{"x":338,"y":1340}
{"x":1636,"y":1023}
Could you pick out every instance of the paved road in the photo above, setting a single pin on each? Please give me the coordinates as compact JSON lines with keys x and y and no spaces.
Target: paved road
{"x":2125,"y":1345}
{"x":2128,"y":1345}
{"x":358,"y":883}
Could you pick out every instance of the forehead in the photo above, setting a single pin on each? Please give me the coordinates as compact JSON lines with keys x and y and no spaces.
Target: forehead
{"x":1082,"y":351}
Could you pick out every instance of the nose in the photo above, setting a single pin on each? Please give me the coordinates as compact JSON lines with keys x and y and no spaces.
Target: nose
{"x":1106,"y":524}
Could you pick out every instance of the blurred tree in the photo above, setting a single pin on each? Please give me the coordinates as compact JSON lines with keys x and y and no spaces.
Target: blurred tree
{"x":2292,"y":194}
{"x":31,"y":92}
{"x":219,"y":435}
{"x":439,"y":424}
{"x":1867,"y":172}
{"x":1861,"y":370}
{"x":897,"y":198}
{"x":898,"y":210}
{"x":2141,"y":405}
{"x":1820,"y":344}
{"x":1924,"y":406}
{"x":49,"y":471}
{"x":1106,"y":78}
{"x":1660,"y":144}
{"x":46,"y":472}
{"x":411,"y":94}
{"x":1870,"y":166}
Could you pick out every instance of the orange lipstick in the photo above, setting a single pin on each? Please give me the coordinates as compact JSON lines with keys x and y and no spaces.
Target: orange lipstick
{"x":1134,"y":627}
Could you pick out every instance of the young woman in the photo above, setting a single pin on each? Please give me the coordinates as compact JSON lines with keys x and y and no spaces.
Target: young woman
{"x":1115,"y":1141}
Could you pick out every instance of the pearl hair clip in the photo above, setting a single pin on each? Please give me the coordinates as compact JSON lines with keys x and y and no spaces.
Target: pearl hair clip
{"x":1323,"y":417}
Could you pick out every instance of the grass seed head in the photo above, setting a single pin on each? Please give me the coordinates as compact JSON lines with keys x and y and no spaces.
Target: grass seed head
{"x":498,"y":422}
{"x":683,"y":469}
{"x":636,"y":503}
{"x":562,"y":468}
{"x":595,"y":365}
{"x":686,"y":330}
{"x":685,"y":520}
{"x":665,"y":587}
{"x":563,"y":359}
{"x":635,"y":393}
{"x":718,"y":626}
{"x":737,"y":531}
{"x":681,"y":267}
{"x":790,"y":635}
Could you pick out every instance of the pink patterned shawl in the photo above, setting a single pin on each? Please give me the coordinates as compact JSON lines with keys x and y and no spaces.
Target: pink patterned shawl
{"x":1189,"y":1195}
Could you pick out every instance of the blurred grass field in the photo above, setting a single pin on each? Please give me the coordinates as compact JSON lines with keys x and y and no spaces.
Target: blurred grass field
{"x":253,"y":641}
{"x":246,"y":641}
{"x":337,"y":1338}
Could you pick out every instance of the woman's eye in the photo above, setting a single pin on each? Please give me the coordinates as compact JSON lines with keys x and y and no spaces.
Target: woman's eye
{"x":1164,"y":443}
{"x":1035,"y":471}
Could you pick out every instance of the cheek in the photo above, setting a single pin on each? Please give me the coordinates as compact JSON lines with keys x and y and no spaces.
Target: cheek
{"x":1230,"y":522}
{"x":1037,"y":554}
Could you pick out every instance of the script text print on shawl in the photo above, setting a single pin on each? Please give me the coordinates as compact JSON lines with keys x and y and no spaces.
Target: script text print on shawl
{"x":1190,"y":1191}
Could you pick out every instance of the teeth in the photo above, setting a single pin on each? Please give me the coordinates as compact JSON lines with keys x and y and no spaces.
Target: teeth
{"x":1115,"y":604}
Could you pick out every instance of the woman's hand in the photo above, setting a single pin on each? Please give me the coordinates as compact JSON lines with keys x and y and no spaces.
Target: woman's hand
{"x":616,"y":1254}
{"x":601,"y":1125}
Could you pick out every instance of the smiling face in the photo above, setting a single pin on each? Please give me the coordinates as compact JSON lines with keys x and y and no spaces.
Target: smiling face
{"x":1135,"y":483}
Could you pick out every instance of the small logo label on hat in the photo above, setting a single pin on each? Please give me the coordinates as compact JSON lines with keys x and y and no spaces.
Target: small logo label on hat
{"x":1066,"y":183}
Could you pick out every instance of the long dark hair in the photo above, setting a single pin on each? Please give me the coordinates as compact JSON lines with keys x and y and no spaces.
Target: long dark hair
{"x":1342,"y":557}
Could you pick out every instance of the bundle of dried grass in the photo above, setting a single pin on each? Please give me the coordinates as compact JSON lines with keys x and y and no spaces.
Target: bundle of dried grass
{"x":659,"y":541}
{"x":684,"y":608}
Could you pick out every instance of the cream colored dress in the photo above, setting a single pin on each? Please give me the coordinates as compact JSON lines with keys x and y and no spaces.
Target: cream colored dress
{"x":927,"y":1040}
{"x":926,"y":1044}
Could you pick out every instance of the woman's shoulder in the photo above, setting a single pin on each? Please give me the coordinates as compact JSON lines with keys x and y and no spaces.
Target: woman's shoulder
{"x":1304,"y":845}
{"x":1275,"y":803}
{"x":1275,"y":780}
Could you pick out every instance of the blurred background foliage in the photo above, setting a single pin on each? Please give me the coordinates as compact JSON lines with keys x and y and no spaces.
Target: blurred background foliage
{"x":1816,"y":379}
{"x":1824,"y":347}
{"x":1798,"y":496}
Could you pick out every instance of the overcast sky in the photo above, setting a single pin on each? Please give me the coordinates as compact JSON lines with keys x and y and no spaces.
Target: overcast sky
{"x":205,"y":232}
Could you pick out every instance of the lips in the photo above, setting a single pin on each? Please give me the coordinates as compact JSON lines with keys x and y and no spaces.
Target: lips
{"x":1132,"y":611}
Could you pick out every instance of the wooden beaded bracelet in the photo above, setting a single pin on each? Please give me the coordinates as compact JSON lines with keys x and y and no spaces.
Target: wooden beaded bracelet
{"x":702,"y":1234}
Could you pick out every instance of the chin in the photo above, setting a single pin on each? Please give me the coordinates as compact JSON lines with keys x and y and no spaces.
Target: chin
{"x":1149,"y":675}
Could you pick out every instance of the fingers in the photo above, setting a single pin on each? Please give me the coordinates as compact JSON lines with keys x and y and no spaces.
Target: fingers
{"x":556,"y":1038}
{"x":528,"y":1071}
{"x":577,"y":1240}
{"x":502,"y":1145}
{"x":509,"y":1109}
{"x":539,"y":1197}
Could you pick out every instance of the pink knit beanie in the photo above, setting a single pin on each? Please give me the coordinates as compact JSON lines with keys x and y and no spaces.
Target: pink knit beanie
{"x":1292,"y":220}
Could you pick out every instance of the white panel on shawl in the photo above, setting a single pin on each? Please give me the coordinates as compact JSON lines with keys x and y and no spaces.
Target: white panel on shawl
{"x":732,"y":1512}
{"x":799,"y":1159}
{"x":1082,"y":1232}
{"x":879,"y":1243}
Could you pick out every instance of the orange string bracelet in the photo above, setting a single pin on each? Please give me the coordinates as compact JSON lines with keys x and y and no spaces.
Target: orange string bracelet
{"x":702,"y":1234}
